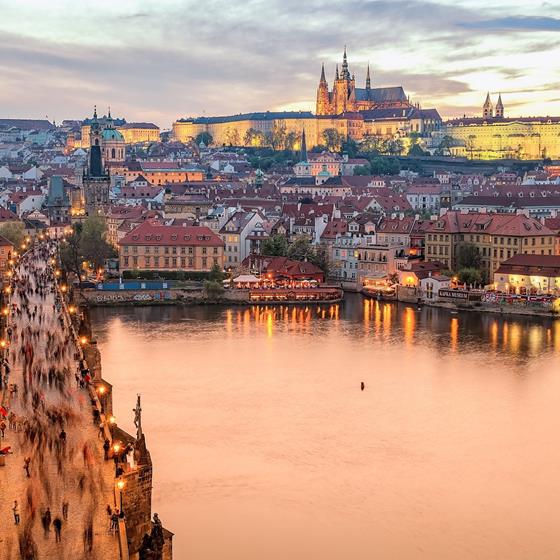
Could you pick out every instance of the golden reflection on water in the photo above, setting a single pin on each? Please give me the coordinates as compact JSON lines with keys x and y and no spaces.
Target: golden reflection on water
{"x":454,"y":333}
{"x":409,"y":326}
{"x":383,"y":320}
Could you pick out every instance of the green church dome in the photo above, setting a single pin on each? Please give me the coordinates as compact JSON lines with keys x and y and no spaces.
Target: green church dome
{"x":112,"y":135}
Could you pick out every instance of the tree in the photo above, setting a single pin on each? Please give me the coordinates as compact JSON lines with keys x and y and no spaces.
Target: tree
{"x":320,"y":258}
{"x":384,"y":166}
{"x":213,"y":289}
{"x":93,"y":244}
{"x":204,"y":137}
{"x":275,"y":246}
{"x":300,"y":249}
{"x":470,"y":276}
{"x":468,"y":256}
{"x":362,"y":170}
{"x":14,"y":232}
{"x":278,"y":135}
{"x":415,"y":150}
{"x":394,"y":147}
{"x":332,"y":139}
{"x":70,"y":252}
{"x":216,"y":273}
{"x":445,"y":145}
{"x":372,"y":145}
{"x":290,"y":140}
{"x":232,"y":136}
{"x":350,"y":147}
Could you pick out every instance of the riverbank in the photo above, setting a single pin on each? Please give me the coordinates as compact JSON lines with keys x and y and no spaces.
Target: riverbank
{"x":188,"y":297}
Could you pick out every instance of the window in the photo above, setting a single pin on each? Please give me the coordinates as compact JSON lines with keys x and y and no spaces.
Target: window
{"x":183,"y":262}
{"x":125,"y":259}
{"x":191,"y":262}
{"x":166,"y":262}
{"x":204,"y":250}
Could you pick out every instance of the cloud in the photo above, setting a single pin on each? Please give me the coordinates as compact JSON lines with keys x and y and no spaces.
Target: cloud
{"x":516,"y":23}
{"x":185,"y":58}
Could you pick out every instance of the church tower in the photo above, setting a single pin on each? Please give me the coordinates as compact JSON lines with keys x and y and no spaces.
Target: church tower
{"x":96,"y":180}
{"x":112,"y":143}
{"x":323,"y":101}
{"x":344,"y":90}
{"x":500,"y":108}
{"x":487,"y":108}
{"x":368,"y":85}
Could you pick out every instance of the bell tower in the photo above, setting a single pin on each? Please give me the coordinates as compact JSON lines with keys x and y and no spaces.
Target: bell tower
{"x":323,"y":102}
{"x":488,"y":108}
{"x":500,"y":108}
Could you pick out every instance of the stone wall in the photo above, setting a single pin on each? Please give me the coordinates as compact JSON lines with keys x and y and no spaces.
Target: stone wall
{"x":137,"y":498}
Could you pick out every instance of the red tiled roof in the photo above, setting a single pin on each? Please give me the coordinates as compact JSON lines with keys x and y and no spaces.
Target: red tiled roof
{"x":495,"y":224}
{"x":150,"y":233}
{"x":526,"y":265}
{"x":7,"y":215}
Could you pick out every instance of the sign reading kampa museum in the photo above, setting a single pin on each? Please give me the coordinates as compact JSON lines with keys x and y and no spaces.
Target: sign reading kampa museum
{"x":453,"y":294}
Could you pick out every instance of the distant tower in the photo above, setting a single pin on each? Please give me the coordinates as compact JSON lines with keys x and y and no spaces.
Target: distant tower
{"x":96,"y":180}
{"x":112,"y":143}
{"x":344,"y":90}
{"x":500,"y":107}
{"x":487,"y":108}
{"x":368,"y":84}
{"x":323,"y":95}
{"x":303,"y":153}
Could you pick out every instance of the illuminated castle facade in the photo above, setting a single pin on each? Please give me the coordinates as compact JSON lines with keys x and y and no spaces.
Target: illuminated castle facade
{"x":352,"y":112}
{"x":345,"y":97}
{"x":495,"y":136}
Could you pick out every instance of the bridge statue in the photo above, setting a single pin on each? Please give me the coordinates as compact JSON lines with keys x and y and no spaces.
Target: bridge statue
{"x":138,"y":418}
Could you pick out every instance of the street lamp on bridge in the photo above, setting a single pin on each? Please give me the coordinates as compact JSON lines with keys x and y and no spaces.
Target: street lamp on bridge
{"x":120,"y":486}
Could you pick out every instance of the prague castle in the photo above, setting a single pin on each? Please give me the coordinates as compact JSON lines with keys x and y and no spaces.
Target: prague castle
{"x":353,"y":112}
{"x":345,"y":97}
{"x":495,"y":136}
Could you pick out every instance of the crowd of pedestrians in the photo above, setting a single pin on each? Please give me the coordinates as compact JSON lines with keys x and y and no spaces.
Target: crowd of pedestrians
{"x":62,"y":476}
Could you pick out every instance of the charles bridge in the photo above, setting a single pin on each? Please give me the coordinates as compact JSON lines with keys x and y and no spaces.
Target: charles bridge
{"x":108,"y":498}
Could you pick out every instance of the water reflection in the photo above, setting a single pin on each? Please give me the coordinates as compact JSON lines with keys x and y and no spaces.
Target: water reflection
{"x":260,"y":433}
{"x":516,"y":337}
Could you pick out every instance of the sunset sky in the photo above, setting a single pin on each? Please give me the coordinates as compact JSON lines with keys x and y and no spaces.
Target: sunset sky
{"x":157,"y":61}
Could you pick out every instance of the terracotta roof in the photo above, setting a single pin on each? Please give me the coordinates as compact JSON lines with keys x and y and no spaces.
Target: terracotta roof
{"x":526,"y":265}
{"x":7,"y":215}
{"x":490,"y":223}
{"x":150,"y":233}
{"x":335,"y":228}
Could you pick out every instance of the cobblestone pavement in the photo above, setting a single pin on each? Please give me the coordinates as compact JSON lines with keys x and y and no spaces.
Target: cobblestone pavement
{"x":83,"y":479}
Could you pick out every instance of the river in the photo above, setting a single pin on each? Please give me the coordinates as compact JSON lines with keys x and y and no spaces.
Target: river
{"x":265,"y":446}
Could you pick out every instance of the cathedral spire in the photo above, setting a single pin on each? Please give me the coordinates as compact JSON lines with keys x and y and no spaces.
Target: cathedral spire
{"x":323,"y":79}
{"x":345,"y":72}
{"x":303,"y":156}
{"x":95,"y":111}
{"x":368,"y":79}
{"x":336,"y":75}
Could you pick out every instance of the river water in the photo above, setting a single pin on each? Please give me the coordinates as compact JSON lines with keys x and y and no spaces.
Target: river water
{"x":264,"y":445}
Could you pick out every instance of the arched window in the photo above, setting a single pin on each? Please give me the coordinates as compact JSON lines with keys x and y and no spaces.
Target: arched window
{"x":97,"y":141}
{"x":113,"y":153}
